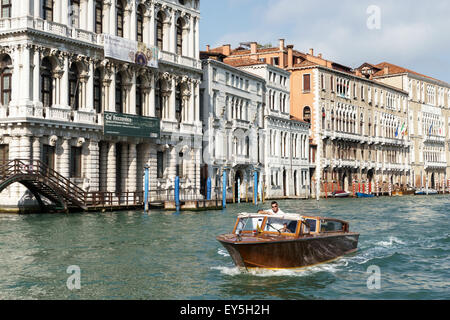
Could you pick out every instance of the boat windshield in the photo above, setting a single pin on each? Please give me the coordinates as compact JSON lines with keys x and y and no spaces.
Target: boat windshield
{"x":331,"y":226}
{"x":249,"y":224}
{"x":281,"y":225}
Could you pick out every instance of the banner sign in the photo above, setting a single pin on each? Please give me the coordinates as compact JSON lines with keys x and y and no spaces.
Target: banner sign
{"x":131,"y":126}
{"x":130,"y":51}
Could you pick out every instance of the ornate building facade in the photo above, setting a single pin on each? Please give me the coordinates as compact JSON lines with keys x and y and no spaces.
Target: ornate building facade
{"x":358,"y":126}
{"x":58,"y":83}
{"x":232,"y":114}
{"x":429,"y":116}
{"x":286,"y":142}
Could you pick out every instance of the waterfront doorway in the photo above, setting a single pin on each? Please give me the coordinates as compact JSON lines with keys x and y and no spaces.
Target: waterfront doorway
{"x":48,"y":156}
{"x":238,"y":180}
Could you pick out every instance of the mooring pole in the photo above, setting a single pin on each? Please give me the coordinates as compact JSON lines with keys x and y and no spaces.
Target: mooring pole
{"x":177,"y":193}
{"x":224,"y":189}
{"x":146,"y":189}
{"x":255,"y":188}
{"x":208,"y":189}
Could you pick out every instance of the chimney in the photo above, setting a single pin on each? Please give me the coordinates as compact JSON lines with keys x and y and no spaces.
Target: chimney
{"x":254,"y":48}
{"x":226,"y":49}
{"x":311,"y":52}
{"x":386,"y":69}
{"x":320,"y":55}
{"x":290,"y":56}
{"x":208,"y":48}
{"x":358,"y":73}
{"x":281,"y":44}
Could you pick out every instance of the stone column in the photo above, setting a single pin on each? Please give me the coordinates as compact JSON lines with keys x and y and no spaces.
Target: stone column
{"x":90,"y":15}
{"x":124,"y":167}
{"x":36,"y":76}
{"x":111,"y":168}
{"x":172,"y":34}
{"x":90,"y":89}
{"x":64,"y":158}
{"x":197,"y":39}
{"x":112,"y":20}
{"x":132,"y":21}
{"x":25,"y":87}
{"x":191,"y":38}
{"x":132,"y":94}
{"x":37,"y":148}
{"x":172,"y":170}
{"x":107,"y":17}
{"x":15,"y":94}
{"x":64,"y":12}
{"x":64,"y":84}
{"x":132,"y":168}
{"x":25,"y":148}
{"x":93,"y":164}
{"x":152,"y":28}
{"x":112,"y":92}
{"x":171,"y":109}
{"x":36,"y":8}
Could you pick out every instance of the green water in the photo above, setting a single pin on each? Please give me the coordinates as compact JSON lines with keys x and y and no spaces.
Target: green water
{"x":132,"y":255}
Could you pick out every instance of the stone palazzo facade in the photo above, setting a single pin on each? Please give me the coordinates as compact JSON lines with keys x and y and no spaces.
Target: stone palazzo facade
{"x":56,"y":84}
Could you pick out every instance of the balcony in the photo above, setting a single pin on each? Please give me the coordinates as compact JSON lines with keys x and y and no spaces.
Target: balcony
{"x":434,"y":139}
{"x":241,"y":124}
{"x":173,"y":58}
{"x":435,"y":165}
{"x":65,"y":116}
{"x":87,"y":37}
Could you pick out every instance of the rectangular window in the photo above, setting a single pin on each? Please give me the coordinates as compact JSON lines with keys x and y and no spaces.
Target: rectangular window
{"x":6,"y":89}
{"x":98,"y":17}
{"x":276,"y":61}
{"x":160,"y":164}
{"x":74,"y":13}
{"x":306,"y":83}
{"x":4,"y":153}
{"x":48,"y":10}
{"x":75,"y":162}
{"x":6,"y":9}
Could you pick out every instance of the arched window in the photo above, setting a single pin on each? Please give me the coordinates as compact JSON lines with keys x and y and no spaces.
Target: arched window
{"x":307,"y":114}
{"x":98,"y":16}
{"x":75,"y":13}
{"x":180,"y":37}
{"x":46,"y":83}
{"x":97,"y":91}
{"x":119,"y":93}
{"x":140,"y":24}
{"x":47,"y":9}
{"x":6,"y":8}
{"x":5,"y":80}
{"x":119,"y":18}
{"x":158,"y":100}
{"x":178,"y":103}
{"x":74,"y":85}
{"x":159,"y":31}
{"x":139,"y":97}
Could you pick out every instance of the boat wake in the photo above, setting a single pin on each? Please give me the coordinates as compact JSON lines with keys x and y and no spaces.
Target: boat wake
{"x":331,"y":267}
{"x":223,"y":252}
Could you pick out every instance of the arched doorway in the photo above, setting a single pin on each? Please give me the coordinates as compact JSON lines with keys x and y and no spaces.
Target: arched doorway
{"x":238,"y":179}
{"x":295,"y":184}
{"x":433,"y":181}
{"x":344,"y":181}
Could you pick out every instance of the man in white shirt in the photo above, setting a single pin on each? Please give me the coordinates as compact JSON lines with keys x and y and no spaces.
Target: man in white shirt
{"x":275,"y":209}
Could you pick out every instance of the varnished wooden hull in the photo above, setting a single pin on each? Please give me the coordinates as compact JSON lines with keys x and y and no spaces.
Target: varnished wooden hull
{"x":289,"y":253}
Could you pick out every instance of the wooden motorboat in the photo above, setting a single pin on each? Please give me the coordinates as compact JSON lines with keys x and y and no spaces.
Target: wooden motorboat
{"x":425,"y":192}
{"x":364,"y":195}
{"x":341,"y":194}
{"x":287,"y":241}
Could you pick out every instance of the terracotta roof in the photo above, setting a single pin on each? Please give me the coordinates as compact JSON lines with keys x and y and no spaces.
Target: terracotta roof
{"x":242,"y":62}
{"x":393,"y":69}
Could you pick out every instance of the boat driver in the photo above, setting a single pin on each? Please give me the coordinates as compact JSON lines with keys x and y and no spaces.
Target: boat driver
{"x":275,"y":209}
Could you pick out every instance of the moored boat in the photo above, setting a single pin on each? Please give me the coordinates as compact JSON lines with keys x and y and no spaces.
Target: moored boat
{"x":364,"y":195}
{"x":341,"y":194}
{"x":425,"y":192}
{"x":287,"y":241}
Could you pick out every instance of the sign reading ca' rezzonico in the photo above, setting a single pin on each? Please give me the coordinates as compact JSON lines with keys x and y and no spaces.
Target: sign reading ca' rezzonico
{"x":128,"y":125}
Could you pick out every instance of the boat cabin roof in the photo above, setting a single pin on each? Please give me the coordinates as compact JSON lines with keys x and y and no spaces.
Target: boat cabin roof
{"x":286,"y":216}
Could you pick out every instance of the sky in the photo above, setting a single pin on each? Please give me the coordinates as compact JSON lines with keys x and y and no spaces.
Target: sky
{"x":411,"y":34}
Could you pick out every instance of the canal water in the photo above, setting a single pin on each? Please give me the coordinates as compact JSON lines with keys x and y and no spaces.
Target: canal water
{"x":133,"y":255}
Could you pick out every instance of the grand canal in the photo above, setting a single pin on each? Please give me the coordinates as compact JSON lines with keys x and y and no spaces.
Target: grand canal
{"x":133,"y":255}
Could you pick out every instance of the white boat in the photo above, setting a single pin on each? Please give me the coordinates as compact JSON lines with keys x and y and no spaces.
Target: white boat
{"x":424,"y":192}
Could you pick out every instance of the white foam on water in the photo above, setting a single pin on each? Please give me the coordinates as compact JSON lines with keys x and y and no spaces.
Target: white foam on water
{"x":223,"y":252}
{"x":392,"y":241}
{"x":229,"y":271}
